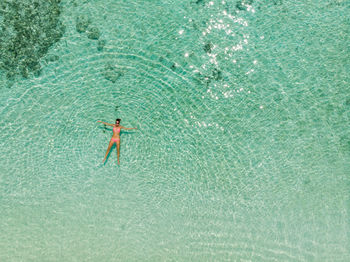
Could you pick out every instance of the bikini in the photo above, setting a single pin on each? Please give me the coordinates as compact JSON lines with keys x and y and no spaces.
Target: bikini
{"x":115,"y":129}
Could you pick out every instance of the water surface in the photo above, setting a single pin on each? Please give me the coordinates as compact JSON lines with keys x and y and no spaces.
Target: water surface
{"x":243,"y":144}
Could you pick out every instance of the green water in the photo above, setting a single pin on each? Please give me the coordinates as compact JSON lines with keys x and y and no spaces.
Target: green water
{"x":242,"y":151}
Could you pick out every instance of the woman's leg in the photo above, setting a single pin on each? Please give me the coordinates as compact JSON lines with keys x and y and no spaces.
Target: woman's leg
{"x":109,"y":148}
{"x":118,"y":151}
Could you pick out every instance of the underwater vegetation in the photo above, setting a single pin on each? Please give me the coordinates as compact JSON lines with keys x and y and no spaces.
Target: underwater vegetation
{"x":28,"y":29}
{"x":111,"y":73}
{"x":101,"y":44}
{"x":208,"y":47}
{"x":93,"y":33}
{"x":82,"y":25}
{"x":243,"y":4}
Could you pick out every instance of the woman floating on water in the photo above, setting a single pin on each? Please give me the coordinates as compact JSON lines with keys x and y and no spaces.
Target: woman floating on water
{"x":115,"y":138}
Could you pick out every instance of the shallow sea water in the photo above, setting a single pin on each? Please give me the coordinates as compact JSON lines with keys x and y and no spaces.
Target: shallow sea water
{"x":243,"y":144}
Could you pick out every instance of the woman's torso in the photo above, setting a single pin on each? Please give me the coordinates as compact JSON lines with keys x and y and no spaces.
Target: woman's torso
{"x":116,"y":131}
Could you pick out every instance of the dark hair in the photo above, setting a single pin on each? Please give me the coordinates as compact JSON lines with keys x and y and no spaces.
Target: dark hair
{"x":118,"y":119}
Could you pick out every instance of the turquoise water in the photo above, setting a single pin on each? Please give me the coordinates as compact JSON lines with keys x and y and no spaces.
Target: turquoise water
{"x":242,"y":151}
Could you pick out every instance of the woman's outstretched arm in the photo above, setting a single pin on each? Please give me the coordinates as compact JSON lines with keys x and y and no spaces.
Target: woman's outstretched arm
{"x":128,"y":128}
{"x":105,"y":123}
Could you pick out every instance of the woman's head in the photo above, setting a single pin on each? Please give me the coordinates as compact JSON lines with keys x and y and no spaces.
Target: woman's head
{"x":117,"y":121}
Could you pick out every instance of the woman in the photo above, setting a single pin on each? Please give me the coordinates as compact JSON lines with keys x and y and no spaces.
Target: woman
{"x":115,"y":138}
